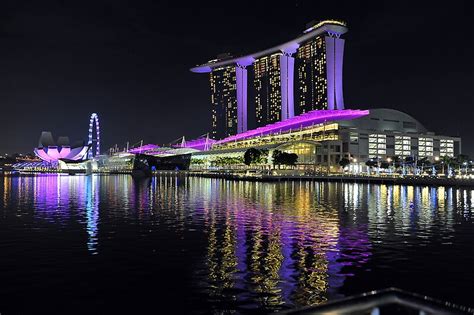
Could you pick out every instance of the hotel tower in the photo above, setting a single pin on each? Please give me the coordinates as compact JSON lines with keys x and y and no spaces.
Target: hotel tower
{"x":306,"y":70}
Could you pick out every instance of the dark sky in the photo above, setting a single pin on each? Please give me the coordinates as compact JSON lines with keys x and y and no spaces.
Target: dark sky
{"x":129,"y":62}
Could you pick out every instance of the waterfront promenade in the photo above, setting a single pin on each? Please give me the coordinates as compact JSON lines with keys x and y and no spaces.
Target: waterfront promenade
{"x":331,"y":177}
{"x":337,"y":177}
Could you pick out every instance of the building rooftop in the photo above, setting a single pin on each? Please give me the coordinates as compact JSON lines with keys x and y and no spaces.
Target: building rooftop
{"x":332,"y":26}
{"x":304,"y":120}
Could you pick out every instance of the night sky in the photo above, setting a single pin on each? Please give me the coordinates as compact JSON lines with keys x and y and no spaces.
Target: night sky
{"x":129,"y":62}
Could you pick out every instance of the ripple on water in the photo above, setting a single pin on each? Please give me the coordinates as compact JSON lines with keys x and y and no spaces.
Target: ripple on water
{"x":208,"y":244}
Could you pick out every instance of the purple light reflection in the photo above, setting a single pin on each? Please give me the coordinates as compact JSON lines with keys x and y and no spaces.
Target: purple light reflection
{"x":292,"y":255}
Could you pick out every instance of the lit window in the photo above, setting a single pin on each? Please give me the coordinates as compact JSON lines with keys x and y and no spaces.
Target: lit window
{"x":425,"y":147}
{"x":446,"y":147}
{"x":402,"y":146}
{"x":377,"y":145}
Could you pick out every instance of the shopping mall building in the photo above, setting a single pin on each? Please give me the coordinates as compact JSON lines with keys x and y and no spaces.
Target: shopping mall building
{"x":322,"y":141}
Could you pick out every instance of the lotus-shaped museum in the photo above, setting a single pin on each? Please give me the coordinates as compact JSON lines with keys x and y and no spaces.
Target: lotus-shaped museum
{"x":50,"y":151}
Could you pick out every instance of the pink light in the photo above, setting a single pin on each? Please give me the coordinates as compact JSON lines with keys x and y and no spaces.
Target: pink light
{"x":42,"y":154}
{"x":53,"y":153}
{"x":64,"y":152}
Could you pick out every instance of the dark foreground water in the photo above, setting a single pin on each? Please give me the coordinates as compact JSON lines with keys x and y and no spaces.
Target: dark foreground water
{"x":108,"y":244}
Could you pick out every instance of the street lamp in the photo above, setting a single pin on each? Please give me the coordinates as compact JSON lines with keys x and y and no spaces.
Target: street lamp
{"x":356,"y":168}
{"x":388,"y":161}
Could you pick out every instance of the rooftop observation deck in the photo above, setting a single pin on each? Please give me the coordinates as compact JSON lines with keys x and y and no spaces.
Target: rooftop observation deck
{"x":331,"y":26}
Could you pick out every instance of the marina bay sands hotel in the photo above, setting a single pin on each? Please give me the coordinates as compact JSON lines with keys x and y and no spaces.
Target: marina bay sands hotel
{"x":306,"y":70}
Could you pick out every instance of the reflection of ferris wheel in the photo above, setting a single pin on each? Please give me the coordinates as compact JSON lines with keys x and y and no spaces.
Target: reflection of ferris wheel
{"x":94,"y":152}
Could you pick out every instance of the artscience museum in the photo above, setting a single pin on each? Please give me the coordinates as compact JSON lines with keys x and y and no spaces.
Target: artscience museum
{"x":52,"y":151}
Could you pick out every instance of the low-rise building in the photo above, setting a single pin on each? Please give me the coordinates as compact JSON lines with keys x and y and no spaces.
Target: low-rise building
{"x":388,"y":133}
{"x":378,"y":134}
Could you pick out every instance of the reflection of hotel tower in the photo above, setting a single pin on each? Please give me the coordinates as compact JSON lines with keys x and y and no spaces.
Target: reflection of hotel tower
{"x":278,"y":250}
{"x":318,"y":55}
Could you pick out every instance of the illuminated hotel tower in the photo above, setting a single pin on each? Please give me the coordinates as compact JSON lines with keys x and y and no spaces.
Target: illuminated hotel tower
{"x":267,"y":85}
{"x":318,"y":53}
{"x":319,"y":72}
{"x":224,"y":102}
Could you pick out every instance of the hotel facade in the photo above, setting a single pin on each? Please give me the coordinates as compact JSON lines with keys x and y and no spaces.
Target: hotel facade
{"x":307,"y":69}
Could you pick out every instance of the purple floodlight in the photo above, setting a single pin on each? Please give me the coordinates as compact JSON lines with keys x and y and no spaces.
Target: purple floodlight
{"x":305,"y":120}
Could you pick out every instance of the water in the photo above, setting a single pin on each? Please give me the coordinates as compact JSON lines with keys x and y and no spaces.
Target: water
{"x":109,"y":244}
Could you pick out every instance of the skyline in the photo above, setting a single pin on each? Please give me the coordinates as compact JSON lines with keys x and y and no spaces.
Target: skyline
{"x":132,"y":68}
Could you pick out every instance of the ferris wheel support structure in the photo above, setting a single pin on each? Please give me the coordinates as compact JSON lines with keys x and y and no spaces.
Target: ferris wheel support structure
{"x":92,"y":153}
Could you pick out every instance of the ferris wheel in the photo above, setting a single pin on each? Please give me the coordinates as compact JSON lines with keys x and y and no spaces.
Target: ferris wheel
{"x":94,"y":143}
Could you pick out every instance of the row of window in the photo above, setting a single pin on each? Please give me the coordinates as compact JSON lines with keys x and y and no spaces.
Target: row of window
{"x":378,"y":145}
{"x":446,"y":147}
{"x":402,"y":146}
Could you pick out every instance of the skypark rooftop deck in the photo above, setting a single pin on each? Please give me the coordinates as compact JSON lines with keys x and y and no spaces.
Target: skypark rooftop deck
{"x":332,"y":26}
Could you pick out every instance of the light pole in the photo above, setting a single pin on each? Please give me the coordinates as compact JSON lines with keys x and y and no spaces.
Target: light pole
{"x":389,"y":168}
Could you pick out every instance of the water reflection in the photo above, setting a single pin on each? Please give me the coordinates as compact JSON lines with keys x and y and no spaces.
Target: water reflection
{"x":267,"y":246}
{"x":57,"y":199}
{"x":92,"y":210}
{"x":275,"y":244}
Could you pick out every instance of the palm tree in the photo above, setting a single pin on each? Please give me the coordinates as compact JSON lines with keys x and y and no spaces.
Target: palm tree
{"x":344,"y":162}
{"x":371,"y":163}
{"x":462,"y":159}
{"x":448,"y":161}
